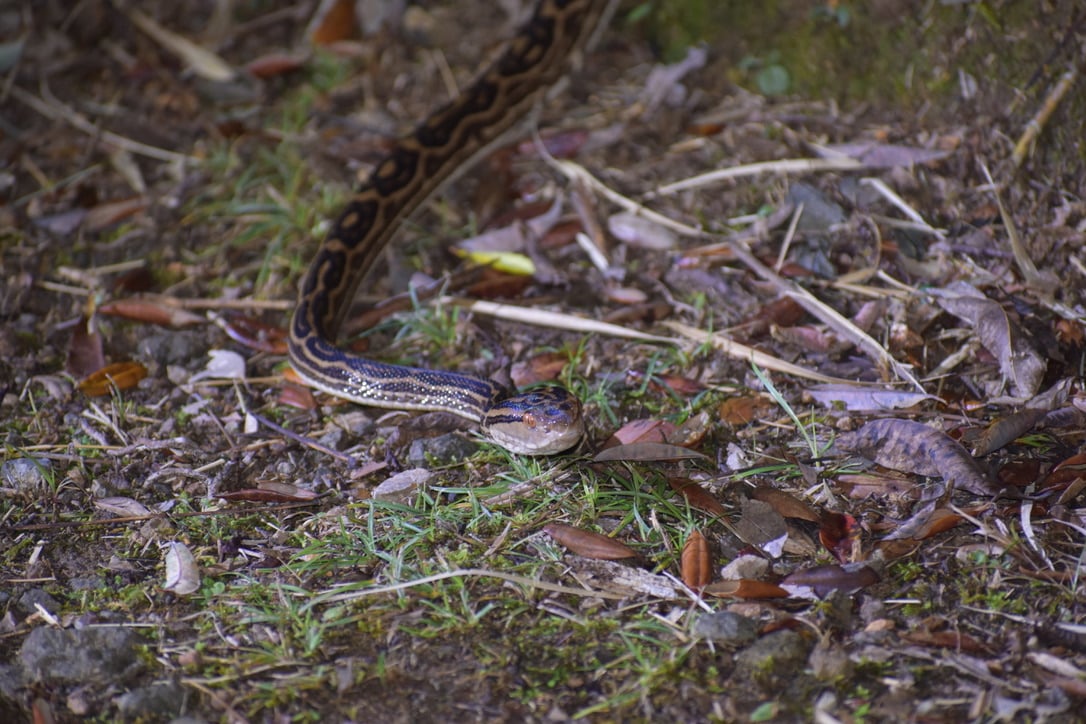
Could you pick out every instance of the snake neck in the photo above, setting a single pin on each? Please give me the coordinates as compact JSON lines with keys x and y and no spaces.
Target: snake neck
{"x":446,"y":141}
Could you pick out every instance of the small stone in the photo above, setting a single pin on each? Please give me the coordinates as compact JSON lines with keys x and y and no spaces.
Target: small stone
{"x":100,"y":655}
{"x":440,"y":450}
{"x":34,"y":597}
{"x":400,"y":487}
{"x":26,"y":474}
{"x":774,"y":659}
{"x":726,"y":628}
{"x":156,"y":701}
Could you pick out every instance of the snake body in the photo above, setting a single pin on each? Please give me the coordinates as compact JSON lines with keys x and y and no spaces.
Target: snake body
{"x":541,"y":421}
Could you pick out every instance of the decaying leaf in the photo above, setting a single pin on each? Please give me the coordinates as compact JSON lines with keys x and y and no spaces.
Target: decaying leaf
{"x":1022,"y":366}
{"x":697,"y":496}
{"x":119,"y":375}
{"x":913,"y":447}
{"x":589,"y":544}
{"x":1006,"y":430}
{"x":820,"y":580}
{"x":122,"y":506}
{"x":697,"y":561}
{"x":645,"y":451}
{"x":182,"y":573}
{"x":147,"y":310}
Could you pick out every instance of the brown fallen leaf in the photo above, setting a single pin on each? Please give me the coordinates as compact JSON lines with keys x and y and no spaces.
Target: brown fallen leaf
{"x":642,"y":451}
{"x":1005,"y":430}
{"x":256,"y":334}
{"x":788,"y":505}
{"x":697,"y":497}
{"x":737,"y":411}
{"x":271,"y":492}
{"x":913,"y":447}
{"x":588,"y":544}
{"x":152,"y":312}
{"x":85,"y":354}
{"x":120,"y":375}
{"x":824,"y":579}
{"x":1021,"y":365}
{"x":697,"y":561}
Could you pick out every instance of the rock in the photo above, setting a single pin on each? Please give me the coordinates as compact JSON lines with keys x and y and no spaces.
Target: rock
{"x":726,"y":628}
{"x":440,"y":450}
{"x":26,"y":475}
{"x":154,"y":702}
{"x":86,"y":656}
{"x":400,"y":487}
{"x":34,"y":597}
{"x":774,"y":660}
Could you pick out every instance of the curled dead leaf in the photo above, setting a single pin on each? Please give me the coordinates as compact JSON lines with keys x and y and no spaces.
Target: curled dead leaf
{"x":182,"y":573}
{"x":697,"y":562}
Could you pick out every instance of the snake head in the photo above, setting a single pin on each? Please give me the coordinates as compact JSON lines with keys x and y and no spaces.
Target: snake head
{"x":544,"y":421}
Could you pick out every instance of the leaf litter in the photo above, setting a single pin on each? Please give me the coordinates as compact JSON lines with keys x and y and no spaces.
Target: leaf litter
{"x":927,"y":555}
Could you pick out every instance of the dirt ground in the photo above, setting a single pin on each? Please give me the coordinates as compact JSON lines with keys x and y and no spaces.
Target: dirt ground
{"x":884,"y":511}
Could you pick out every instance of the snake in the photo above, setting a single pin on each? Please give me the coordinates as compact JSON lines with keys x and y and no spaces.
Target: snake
{"x":539,"y":421}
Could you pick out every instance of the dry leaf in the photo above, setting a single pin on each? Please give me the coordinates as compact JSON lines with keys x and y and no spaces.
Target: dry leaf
{"x":122,"y":507}
{"x":697,"y":497}
{"x":588,"y":544}
{"x":1019,"y":362}
{"x":146,"y":310}
{"x":913,"y":447}
{"x":644,"y":451}
{"x":697,"y":562}
{"x":182,"y":573}
{"x":821,"y":580}
{"x":120,"y":375}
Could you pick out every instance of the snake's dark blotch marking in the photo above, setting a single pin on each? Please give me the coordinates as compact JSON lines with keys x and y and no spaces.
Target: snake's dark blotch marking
{"x":539,"y":422}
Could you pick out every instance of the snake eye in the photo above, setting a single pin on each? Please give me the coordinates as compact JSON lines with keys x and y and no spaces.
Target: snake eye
{"x":528,"y":419}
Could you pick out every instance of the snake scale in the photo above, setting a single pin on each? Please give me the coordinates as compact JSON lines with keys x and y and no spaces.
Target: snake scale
{"x":541,"y":421}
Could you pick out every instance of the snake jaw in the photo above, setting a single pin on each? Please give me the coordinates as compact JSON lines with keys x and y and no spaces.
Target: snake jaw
{"x":538,"y":422}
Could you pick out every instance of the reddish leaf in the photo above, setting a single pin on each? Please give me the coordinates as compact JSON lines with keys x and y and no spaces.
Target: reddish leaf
{"x":296,"y":395}
{"x":744,"y":588}
{"x":737,"y":411}
{"x":588,"y":544}
{"x":85,"y":353}
{"x":947,"y":640}
{"x":122,"y":375}
{"x":271,"y":492}
{"x":149,"y":311}
{"x":788,"y":505}
{"x":273,"y":65}
{"x":697,"y":497}
{"x":256,"y":335}
{"x":637,"y":431}
{"x":541,"y":368}
{"x":1066,"y":471}
{"x":840,"y":534}
{"x":697,"y":562}
{"x":335,"y":21}
{"x":1006,"y":430}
